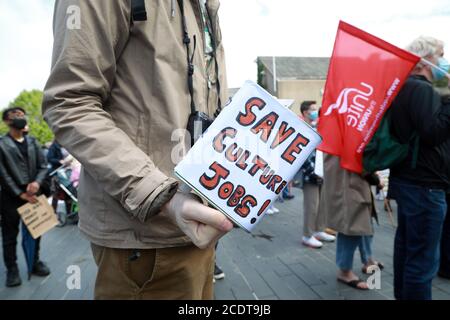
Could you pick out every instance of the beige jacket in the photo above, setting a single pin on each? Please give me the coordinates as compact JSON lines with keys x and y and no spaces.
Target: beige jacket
{"x":116,"y":94}
{"x":346,"y":199}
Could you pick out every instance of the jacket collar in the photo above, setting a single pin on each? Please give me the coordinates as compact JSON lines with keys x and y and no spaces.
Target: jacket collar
{"x":420,"y":77}
{"x":10,"y":142}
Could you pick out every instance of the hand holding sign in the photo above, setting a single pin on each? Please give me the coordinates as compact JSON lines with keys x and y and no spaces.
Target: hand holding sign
{"x":203,"y":225}
{"x":248,"y":155}
{"x":38,"y":216}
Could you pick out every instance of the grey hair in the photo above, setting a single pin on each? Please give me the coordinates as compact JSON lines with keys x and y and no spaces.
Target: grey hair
{"x":425,"y":47}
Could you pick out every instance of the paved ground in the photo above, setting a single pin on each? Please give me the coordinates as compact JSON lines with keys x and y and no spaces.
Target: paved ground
{"x":271,"y":263}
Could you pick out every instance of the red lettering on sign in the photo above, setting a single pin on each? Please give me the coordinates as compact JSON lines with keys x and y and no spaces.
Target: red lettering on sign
{"x":266,"y":176}
{"x":264,"y":206}
{"x":243,"y":209}
{"x":218,"y":144}
{"x":294,"y":147}
{"x":281,"y":187}
{"x":233,"y":156}
{"x":283,"y":133}
{"x":236,"y":196}
{"x":247,"y":118}
{"x":242,"y":162}
{"x":220,"y":172}
{"x":225,"y":190}
{"x":275,"y":179}
{"x":259,"y":164}
{"x":265,"y":125}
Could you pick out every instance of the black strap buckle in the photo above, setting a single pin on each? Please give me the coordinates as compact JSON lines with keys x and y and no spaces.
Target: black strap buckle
{"x":138,"y":10}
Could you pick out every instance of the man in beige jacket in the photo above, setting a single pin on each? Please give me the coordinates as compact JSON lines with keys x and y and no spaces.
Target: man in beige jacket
{"x":117,"y":92}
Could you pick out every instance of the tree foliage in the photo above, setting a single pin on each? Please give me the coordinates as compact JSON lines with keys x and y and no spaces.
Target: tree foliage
{"x":31,"y":101}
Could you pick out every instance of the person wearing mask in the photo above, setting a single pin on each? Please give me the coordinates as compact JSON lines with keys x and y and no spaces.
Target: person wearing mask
{"x":314,"y":221}
{"x":419,"y":183}
{"x":120,"y":89}
{"x":22,"y":172}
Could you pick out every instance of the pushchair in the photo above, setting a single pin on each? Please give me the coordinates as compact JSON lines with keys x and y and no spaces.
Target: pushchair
{"x":64,"y":187}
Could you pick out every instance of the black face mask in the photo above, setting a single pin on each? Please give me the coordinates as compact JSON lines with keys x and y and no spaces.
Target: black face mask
{"x":19,"y":123}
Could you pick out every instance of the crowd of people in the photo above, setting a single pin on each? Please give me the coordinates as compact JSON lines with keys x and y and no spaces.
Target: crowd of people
{"x":420,"y":185}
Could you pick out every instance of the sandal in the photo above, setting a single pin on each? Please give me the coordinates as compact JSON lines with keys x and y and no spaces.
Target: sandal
{"x":379,"y":264}
{"x":354,"y":283}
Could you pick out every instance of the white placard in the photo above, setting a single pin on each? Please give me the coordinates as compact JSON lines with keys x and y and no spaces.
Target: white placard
{"x":248,"y":155}
{"x":318,"y":165}
{"x":286,"y":102}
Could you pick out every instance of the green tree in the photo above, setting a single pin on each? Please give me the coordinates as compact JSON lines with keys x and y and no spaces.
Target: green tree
{"x":31,"y":101}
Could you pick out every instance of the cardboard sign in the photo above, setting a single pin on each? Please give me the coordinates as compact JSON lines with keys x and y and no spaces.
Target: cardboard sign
{"x":248,"y":155}
{"x":39,"y":217}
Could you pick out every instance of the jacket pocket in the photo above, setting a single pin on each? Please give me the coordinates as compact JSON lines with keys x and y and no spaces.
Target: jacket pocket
{"x":139,"y":266}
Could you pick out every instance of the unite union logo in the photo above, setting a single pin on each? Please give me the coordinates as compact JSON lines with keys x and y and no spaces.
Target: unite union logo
{"x":353,"y":102}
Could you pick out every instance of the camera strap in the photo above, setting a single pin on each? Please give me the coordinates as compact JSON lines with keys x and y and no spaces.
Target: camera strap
{"x":139,"y":13}
{"x":190,"y":61}
{"x":190,"y":58}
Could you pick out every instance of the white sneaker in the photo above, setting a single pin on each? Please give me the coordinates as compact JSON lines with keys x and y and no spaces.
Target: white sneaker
{"x":323,"y":236}
{"x":270,"y":211}
{"x":312,"y":242}
{"x":275,"y":210}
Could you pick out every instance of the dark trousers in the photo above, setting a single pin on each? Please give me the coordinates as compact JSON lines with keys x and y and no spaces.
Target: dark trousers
{"x":421,"y":213}
{"x":445,"y":242}
{"x":10,"y":228}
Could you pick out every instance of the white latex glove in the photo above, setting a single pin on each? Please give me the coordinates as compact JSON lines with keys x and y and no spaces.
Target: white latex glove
{"x":202,"y":224}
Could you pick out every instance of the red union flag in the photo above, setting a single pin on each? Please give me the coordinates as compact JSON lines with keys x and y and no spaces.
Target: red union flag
{"x":365,"y":75}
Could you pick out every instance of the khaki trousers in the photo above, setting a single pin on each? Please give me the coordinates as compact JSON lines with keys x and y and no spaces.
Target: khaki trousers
{"x":168,"y":273}
{"x":313,"y":220}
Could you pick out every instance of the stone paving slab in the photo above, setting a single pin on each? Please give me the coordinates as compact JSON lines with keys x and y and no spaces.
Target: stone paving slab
{"x":269,"y":264}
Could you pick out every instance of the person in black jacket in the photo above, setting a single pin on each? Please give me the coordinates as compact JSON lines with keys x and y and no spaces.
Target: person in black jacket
{"x":55,"y":156}
{"x":444,"y":268}
{"x":22,"y":171}
{"x":419,"y":186}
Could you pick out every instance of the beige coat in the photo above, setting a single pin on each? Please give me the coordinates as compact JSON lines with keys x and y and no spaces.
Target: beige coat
{"x":116,"y":94}
{"x":346,"y":200}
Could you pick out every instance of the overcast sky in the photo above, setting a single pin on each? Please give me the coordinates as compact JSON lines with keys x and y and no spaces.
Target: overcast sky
{"x":250,"y":28}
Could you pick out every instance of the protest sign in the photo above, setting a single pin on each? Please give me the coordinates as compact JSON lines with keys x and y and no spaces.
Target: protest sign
{"x":39,"y":217}
{"x":248,"y":155}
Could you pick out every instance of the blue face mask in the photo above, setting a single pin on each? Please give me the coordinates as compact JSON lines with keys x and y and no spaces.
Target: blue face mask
{"x":437,"y":73}
{"x":314,"y":115}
